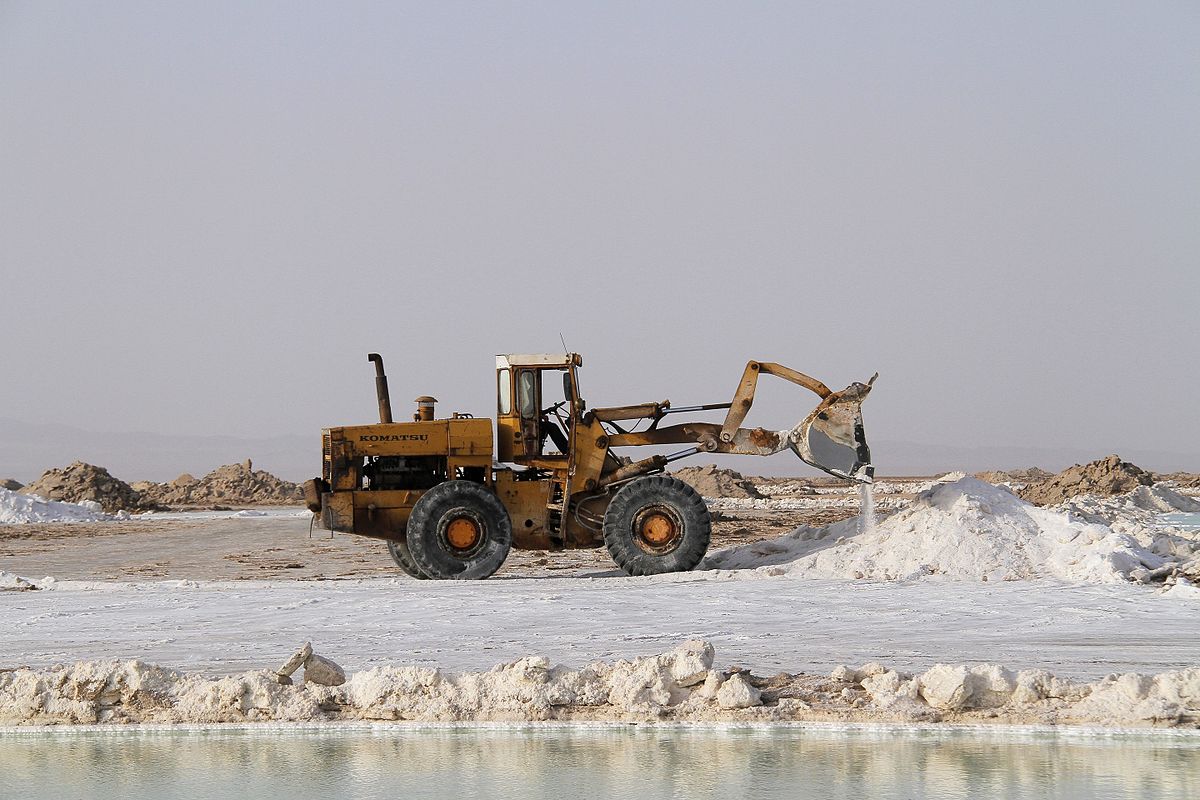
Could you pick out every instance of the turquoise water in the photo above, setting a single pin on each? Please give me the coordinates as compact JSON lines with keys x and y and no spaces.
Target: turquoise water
{"x":585,"y":763}
{"x":1182,"y":520}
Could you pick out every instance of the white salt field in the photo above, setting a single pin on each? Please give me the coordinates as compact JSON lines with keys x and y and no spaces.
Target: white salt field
{"x":763,"y":623}
{"x":1010,"y":598}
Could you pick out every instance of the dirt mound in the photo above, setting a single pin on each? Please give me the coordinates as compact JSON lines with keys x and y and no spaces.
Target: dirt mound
{"x":1026,"y":476}
{"x":82,"y":482}
{"x":232,"y":484}
{"x":10,"y":484}
{"x":1183,"y":480}
{"x":712,"y":481}
{"x":1107,"y":477}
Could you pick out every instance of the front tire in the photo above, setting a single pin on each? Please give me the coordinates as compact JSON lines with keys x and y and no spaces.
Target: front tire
{"x":459,"y":530}
{"x":398,"y":550}
{"x":657,"y":524}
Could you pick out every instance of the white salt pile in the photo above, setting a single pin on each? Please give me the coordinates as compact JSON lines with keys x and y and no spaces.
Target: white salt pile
{"x":10,"y":582}
{"x":1139,"y":514}
{"x":18,"y":508}
{"x":1134,"y":512}
{"x":1183,"y":589}
{"x":964,"y":530}
{"x":680,"y":685}
{"x":914,"y":487}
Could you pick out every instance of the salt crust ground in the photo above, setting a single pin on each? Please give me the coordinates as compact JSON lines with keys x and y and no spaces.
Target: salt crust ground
{"x":17,"y":509}
{"x":943,"y":691}
{"x":680,"y":685}
{"x":766,"y":624}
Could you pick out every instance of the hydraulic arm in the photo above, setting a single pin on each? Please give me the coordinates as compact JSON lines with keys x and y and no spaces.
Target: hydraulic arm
{"x":831,"y":438}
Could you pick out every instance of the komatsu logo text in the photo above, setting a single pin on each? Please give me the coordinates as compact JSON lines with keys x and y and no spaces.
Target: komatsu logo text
{"x":395,"y":437}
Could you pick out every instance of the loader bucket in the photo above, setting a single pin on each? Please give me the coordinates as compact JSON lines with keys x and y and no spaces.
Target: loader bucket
{"x":831,"y":438}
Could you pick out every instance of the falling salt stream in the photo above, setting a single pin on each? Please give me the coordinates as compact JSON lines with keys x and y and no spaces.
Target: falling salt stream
{"x":866,"y":505}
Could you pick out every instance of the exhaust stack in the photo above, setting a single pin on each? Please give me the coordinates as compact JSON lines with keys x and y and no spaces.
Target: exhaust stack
{"x":381,"y":389}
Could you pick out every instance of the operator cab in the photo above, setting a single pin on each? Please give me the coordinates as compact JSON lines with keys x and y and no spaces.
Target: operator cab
{"x":537,"y":406}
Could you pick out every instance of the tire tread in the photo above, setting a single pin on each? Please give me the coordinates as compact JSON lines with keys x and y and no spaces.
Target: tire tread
{"x":618,"y":538}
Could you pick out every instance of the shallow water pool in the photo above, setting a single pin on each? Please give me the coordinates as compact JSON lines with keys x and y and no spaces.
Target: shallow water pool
{"x":1190,"y":521}
{"x":578,"y":763}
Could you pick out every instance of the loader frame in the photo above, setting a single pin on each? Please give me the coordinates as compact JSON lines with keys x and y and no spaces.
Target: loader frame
{"x":555,"y":496}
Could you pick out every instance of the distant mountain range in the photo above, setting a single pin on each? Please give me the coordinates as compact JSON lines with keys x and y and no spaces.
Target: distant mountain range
{"x":27,"y":450}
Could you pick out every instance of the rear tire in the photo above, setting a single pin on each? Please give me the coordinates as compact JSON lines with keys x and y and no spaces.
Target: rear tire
{"x":459,"y":530}
{"x":657,"y":524}
{"x":398,"y":549}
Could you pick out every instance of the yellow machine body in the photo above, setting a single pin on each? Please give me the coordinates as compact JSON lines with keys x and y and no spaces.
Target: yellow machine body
{"x":366,"y":498}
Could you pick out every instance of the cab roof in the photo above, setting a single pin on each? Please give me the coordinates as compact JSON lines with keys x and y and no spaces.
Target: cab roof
{"x":538,"y":360}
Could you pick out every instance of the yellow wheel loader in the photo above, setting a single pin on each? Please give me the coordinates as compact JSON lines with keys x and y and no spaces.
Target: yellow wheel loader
{"x":449,"y":504}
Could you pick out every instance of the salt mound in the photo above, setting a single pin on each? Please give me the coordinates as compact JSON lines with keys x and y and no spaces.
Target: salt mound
{"x":232,"y":484}
{"x":1183,"y":589}
{"x":1138,"y":514}
{"x":20,"y":508}
{"x":680,"y":685}
{"x":1135,"y":512}
{"x":965,"y":530}
{"x":528,"y":689}
{"x":713,"y":481}
{"x":1107,"y":477}
{"x":1163,"y":499}
{"x":82,"y":482}
{"x":1171,"y":698}
{"x":15,"y":583}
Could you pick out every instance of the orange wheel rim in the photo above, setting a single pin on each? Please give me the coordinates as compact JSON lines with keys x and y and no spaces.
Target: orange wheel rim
{"x":463,"y":533}
{"x":658,"y":529}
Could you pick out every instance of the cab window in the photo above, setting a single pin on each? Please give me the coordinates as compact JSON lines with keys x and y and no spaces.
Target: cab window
{"x":527,"y":393}
{"x":504,"y":391}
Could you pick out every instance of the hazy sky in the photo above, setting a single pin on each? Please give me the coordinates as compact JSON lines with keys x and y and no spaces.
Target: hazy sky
{"x":210,"y":213}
